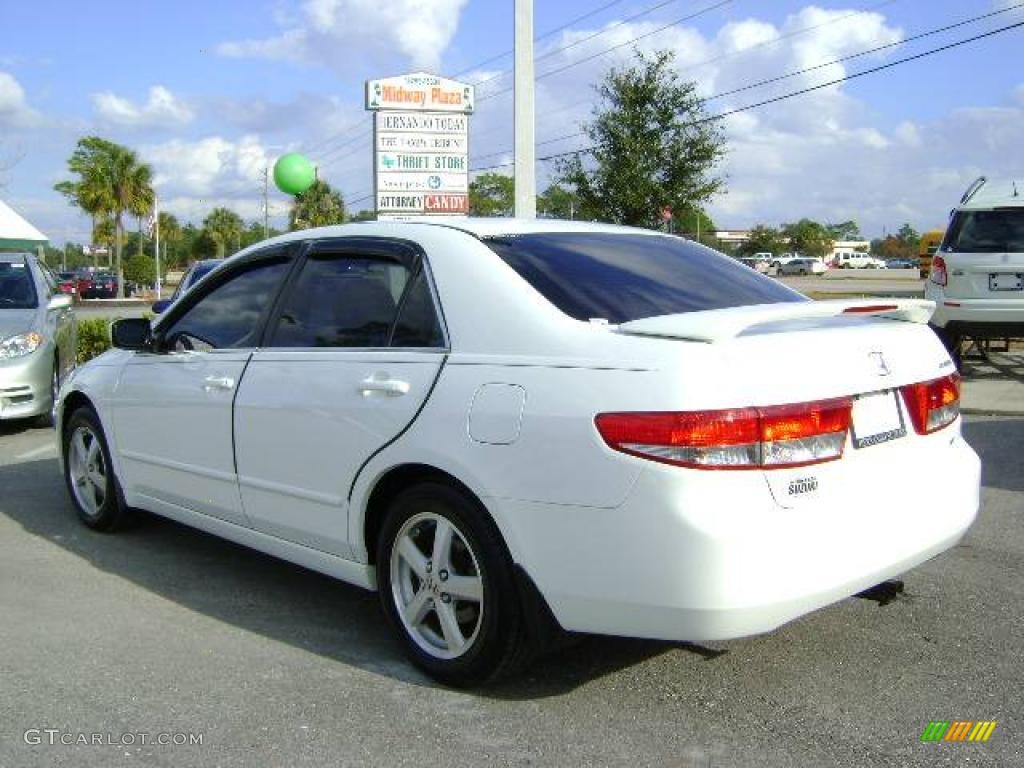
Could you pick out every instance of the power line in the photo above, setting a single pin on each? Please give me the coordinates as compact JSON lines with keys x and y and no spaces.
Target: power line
{"x":800,"y":92}
{"x":584,"y":17}
{"x":563,"y":48}
{"x":606,"y":51}
{"x":544,"y":36}
{"x":805,"y":70}
{"x":867,"y":52}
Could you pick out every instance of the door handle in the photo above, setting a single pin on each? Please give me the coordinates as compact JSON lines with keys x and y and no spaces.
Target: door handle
{"x":218,"y":383}
{"x":390,"y":387}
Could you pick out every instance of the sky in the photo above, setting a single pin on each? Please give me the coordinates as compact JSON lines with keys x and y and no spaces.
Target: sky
{"x":210,"y":94}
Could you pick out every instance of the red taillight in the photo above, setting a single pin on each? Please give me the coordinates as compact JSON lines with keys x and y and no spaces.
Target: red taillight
{"x":938,"y":274}
{"x":933,"y":404}
{"x":737,"y":438}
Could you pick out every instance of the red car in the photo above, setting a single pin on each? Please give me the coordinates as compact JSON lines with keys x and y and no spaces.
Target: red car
{"x":67,"y":283}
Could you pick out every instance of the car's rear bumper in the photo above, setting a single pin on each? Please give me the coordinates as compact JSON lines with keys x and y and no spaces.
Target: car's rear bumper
{"x":984,"y":318}
{"x":697,"y":556}
{"x":25,"y":384}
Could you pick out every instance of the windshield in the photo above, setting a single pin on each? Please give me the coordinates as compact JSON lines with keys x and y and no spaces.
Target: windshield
{"x":623,"y":277}
{"x":17,"y":290}
{"x":996,"y":231}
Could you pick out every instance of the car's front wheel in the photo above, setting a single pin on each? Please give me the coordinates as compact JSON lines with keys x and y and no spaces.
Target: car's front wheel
{"x":446,"y":584}
{"x":89,"y":474}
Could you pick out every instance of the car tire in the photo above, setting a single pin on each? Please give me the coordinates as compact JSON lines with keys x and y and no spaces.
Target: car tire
{"x":803,"y":272}
{"x":89,"y":474}
{"x":46,"y":419}
{"x":464,"y":639}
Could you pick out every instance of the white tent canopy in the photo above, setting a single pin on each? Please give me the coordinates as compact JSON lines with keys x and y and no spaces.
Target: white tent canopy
{"x":15,"y":232}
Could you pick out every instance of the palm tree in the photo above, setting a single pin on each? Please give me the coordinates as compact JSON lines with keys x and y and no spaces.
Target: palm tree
{"x":170,"y":235}
{"x":111,"y":182}
{"x":318,"y":206}
{"x":223,"y":227}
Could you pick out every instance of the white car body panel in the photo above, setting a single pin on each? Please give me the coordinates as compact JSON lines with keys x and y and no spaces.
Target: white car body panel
{"x":341,"y":425}
{"x":615,"y":543}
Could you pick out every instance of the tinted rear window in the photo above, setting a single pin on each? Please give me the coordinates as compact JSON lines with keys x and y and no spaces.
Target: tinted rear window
{"x":996,"y":231}
{"x":623,"y":277}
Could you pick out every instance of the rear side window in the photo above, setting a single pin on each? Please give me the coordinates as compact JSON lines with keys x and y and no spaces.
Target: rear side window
{"x":623,"y":277}
{"x":996,"y":231}
{"x":341,"y":301}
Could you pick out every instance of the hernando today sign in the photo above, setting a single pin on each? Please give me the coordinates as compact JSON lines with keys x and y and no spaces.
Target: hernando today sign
{"x":420,"y":145}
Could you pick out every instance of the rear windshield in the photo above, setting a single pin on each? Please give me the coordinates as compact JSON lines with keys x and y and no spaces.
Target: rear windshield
{"x":17,"y":290}
{"x":623,"y":277}
{"x":995,"y":231}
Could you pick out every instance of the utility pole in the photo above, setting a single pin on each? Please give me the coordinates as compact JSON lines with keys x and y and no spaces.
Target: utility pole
{"x":525,"y":149}
{"x":156,"y":233}
{"x":266,"y":206}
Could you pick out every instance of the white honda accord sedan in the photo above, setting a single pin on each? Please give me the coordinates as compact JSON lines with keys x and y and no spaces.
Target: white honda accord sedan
{"x":511,"y":428}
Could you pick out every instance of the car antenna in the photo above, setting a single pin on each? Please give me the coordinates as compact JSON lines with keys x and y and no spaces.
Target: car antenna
{"x":1015,"y":189}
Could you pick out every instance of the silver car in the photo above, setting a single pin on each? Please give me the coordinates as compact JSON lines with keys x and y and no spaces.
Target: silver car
{"x":38,"y":338}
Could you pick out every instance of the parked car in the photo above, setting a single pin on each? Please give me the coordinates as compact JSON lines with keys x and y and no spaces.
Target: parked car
{"x":784,"y":258}
{"x":803,"y":267}
{"x":37,"y":338}
{"x":757,"y":263}
{"x":67,"y":283}
{"x":856,"y":260}
{"x":511,"y":427}
{"x":104,"y":286}
{"x":83,"y":283}
{"x":977,"y":274}
{"x":192,"y":276}
{"x":901,"y":264}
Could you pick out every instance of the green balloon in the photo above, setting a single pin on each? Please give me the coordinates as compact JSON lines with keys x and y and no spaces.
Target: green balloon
{"x":293,"y":173}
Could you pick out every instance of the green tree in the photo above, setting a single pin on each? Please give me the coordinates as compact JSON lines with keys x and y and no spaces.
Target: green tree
{"x":807,"y":237}
{"x":224,"y":228}
{"x":695,"y":223}
{"x":557,"y":202}
{"x":762,"y":239}
{"x":491,"y":194}
{"x":909,"y":235}
{"x":170,"y":238}
{"x":653,"y":147}
{"x":111,"y":182}
{"x":847,"y":230}
{"x":140,"y":268}
{"x":318,"y":206}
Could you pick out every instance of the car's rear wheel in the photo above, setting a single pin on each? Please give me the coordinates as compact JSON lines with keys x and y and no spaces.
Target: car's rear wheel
{"x":446,"y":584}
{"x":89,"y":473}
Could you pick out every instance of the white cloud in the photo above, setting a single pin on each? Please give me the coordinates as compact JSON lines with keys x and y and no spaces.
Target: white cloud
{"x":336,"y":32}
{"x":162,"y":108}
{"x":15,"y":111}
{"x":212,"y":167}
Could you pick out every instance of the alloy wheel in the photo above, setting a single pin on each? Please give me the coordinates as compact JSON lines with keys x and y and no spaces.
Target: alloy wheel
{"x":87,"y":470}
{"x":436,"y":586}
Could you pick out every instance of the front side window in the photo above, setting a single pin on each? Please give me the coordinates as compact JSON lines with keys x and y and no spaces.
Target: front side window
{"x":996,"y":231}
{"x":353,"y":301}
{"x":623,"y":277}
{"x":17,"y":289}
{"x":229,"y":315}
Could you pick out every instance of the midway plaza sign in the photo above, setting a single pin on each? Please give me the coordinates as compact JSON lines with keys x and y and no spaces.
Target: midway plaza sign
{"x":420,"y":145}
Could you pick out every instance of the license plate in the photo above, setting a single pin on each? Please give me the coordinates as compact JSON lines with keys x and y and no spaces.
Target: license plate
{"x":1005,"y":281}
{"x":877,"y":419}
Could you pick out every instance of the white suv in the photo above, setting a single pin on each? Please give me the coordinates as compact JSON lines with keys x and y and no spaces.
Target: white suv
{"x":977,"y":275}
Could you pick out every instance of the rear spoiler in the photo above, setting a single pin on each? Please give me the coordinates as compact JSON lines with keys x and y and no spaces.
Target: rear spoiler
{"x":722,"y":324}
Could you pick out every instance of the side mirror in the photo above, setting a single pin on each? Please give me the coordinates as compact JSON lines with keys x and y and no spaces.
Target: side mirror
{"x":160,"y":306}
{"x":60,"y":301}
{"x":132,"y":333}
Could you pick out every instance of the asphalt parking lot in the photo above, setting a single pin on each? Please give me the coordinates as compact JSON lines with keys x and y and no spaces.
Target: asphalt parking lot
{"x":166,"y":630}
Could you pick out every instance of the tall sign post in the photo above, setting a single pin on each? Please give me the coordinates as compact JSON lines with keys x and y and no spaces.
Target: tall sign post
{"x":526,"y":151}
{"x":420,"y":145}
